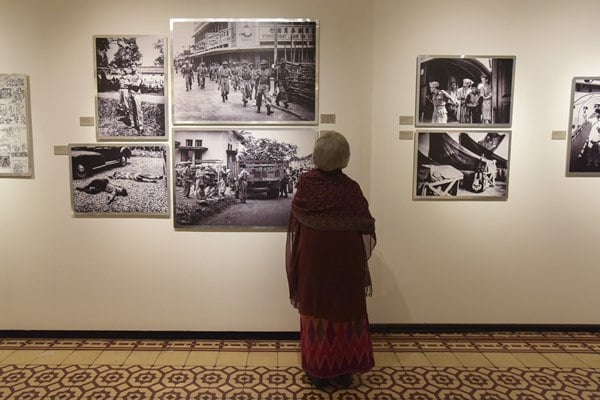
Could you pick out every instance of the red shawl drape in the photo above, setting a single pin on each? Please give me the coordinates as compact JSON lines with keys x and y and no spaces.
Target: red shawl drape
{"x":331,"y":235}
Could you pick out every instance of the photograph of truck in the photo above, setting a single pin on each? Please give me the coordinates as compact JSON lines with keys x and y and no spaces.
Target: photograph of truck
{"x":238,"y":178}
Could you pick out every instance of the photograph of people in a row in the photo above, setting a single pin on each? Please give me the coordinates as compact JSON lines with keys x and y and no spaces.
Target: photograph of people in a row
{"x":464,"y":91}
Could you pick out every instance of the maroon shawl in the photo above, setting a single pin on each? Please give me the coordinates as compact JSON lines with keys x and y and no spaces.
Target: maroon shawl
{"x":331,"y":235}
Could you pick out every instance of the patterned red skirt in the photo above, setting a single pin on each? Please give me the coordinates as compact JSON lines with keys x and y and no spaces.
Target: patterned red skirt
{"x":331,"y":349}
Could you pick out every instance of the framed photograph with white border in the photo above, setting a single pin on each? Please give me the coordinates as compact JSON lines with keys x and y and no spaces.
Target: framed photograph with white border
{"x":130,"y":76}
{"x":238,"y":178}
{"x":464,"y":91}
{"x":461,"y":165}
{"x":124,"y":180}
{"x":244,"y":71}
{"x":16,"y":152}
{"x":583,"y":150}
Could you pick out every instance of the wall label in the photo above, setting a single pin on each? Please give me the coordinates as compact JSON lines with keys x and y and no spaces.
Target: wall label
{"x":406,"y":135}
{"x":86,"y":121}
{"x":407,"y":120}
{"x":61,"y":150}
{"x":559,"y":135}
{"x":328,"y":118}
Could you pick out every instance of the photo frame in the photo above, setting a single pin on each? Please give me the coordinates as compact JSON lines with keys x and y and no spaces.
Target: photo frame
{"x":130,"y":79}
{"x":464,"y":91}
{"x":583,"y":149}
{"x":238,"y":178}
{"x":16,"y":151}
{"x":461,"y":165}
{"x":244,"y":71}
{"x":124,"y":180}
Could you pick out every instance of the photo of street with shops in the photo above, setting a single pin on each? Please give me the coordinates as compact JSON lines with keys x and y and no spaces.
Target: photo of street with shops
{"x":246,"y":178}
{"x":244,"y":71}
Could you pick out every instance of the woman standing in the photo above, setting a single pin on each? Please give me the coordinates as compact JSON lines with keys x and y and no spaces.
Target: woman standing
{"x":485,"y":89}
{"x":331,"y":235}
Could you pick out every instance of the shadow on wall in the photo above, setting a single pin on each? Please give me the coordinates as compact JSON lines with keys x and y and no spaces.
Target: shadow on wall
{"x":387,"y":304}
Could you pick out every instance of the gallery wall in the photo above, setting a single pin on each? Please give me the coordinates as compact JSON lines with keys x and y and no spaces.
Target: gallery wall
{"x":529,"y":259}
{"x":60,"y":272}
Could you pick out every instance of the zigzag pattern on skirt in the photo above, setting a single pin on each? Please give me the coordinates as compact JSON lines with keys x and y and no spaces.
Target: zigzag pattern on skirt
{"x":331,"y":349}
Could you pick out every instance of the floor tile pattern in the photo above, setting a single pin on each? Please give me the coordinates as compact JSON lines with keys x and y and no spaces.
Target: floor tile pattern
{"x":416,"y":366}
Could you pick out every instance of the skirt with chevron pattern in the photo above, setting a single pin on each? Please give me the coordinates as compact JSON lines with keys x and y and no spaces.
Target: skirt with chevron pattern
{"x":331,"y":349}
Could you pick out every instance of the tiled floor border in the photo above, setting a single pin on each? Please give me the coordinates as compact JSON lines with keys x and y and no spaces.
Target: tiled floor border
{"x":528,"y":342}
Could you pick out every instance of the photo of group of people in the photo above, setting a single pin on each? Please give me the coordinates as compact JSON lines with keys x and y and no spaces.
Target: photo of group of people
{"x":464,"y":91}
{"x":584,"y":139}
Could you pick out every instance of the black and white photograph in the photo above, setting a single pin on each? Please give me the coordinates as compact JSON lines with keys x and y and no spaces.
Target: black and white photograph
{"x":583,"y":155}
{"x":15,"y":130}
{"x":464,"y":91}
{"x":238,"y":178}
{"x":130,"y":86}
{"x":462,"y":165}
{"x":119,"y":180}
{"x":244,"y":71}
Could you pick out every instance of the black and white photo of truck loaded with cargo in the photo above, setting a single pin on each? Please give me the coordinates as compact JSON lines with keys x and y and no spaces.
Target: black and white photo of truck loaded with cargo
{"x":238,"y":178}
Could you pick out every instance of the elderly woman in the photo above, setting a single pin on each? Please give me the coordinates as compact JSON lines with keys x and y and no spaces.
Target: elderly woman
{"x":331,"y":235}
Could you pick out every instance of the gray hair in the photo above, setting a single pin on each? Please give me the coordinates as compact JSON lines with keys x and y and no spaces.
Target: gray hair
{"x":331,"y":151}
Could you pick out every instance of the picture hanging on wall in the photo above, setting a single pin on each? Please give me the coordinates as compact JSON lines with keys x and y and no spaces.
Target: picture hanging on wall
{"x":130,"y":87}
{"x":128,"y":180}
{"x":583,"y":155}
{"x":16,"y":155}
{"x":464,"y":91}
{"x":462,"y":165}
{"x":244,"y":71}
{"x":238,"y":178}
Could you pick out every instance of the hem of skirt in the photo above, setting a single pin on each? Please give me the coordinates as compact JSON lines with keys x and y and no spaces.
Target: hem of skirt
{"x":343,"y":372}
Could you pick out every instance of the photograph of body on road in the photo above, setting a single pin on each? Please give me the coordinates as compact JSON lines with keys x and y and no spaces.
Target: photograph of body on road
{"x":238,"y":178}
{"x":119,"y":180}
{"x":130,"y":87}
{"x":244,"y":71}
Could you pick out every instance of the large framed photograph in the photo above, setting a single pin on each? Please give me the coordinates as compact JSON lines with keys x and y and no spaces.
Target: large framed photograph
{"x":16,"y":153}
{"x":128,"y":180}
{"x":462,"y":165}
{"x":464,"y":91}
{"x":130,"y":87}
{"x":244,"y":71}
{"x":583,"y":154}
{"x":238,"y":178}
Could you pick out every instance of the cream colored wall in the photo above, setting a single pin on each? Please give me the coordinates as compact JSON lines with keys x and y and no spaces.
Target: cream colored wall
{"x":60,"y":272}
{"x":530,"y":259}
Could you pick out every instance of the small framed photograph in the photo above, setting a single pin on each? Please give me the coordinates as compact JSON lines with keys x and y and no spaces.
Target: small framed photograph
{"x":130,"y":87}
{"x":583,"y":154}
{"x":241,"y":179}
{"x":464,"y":91}
{"x":128,"y":180}
{"x":16,"y":153}
{"x":244,"y":71}
{"x":456,"y":165}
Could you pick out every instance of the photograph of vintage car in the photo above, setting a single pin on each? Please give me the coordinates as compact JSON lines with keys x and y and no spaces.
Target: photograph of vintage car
{"x":240,"y":71}
{"x":462,"y":165}
{"x":119,"y":180}
{"x":238,"y":178}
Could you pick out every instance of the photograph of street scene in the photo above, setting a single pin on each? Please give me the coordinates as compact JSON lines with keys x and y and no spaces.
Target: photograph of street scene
{"x":130,"y":87}
{"x":464,"y":91}
{"x":238,"y":178}
{"x":244,"y":71}
{"x":119,"y":180}
{"x":461,"y":165}
{"x":15,"y":135}
{"x":584,"y":144}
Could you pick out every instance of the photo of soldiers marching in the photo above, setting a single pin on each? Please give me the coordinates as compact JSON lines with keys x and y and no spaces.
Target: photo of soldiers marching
{"x":238,"y":178}
{"x":243,"y":71}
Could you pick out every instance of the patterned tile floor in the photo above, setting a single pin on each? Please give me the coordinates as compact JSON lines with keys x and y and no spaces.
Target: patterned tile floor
{"x":486,"y":366}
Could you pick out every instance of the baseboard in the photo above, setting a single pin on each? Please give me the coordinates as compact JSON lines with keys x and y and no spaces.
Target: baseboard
{"x":287,"y":335}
